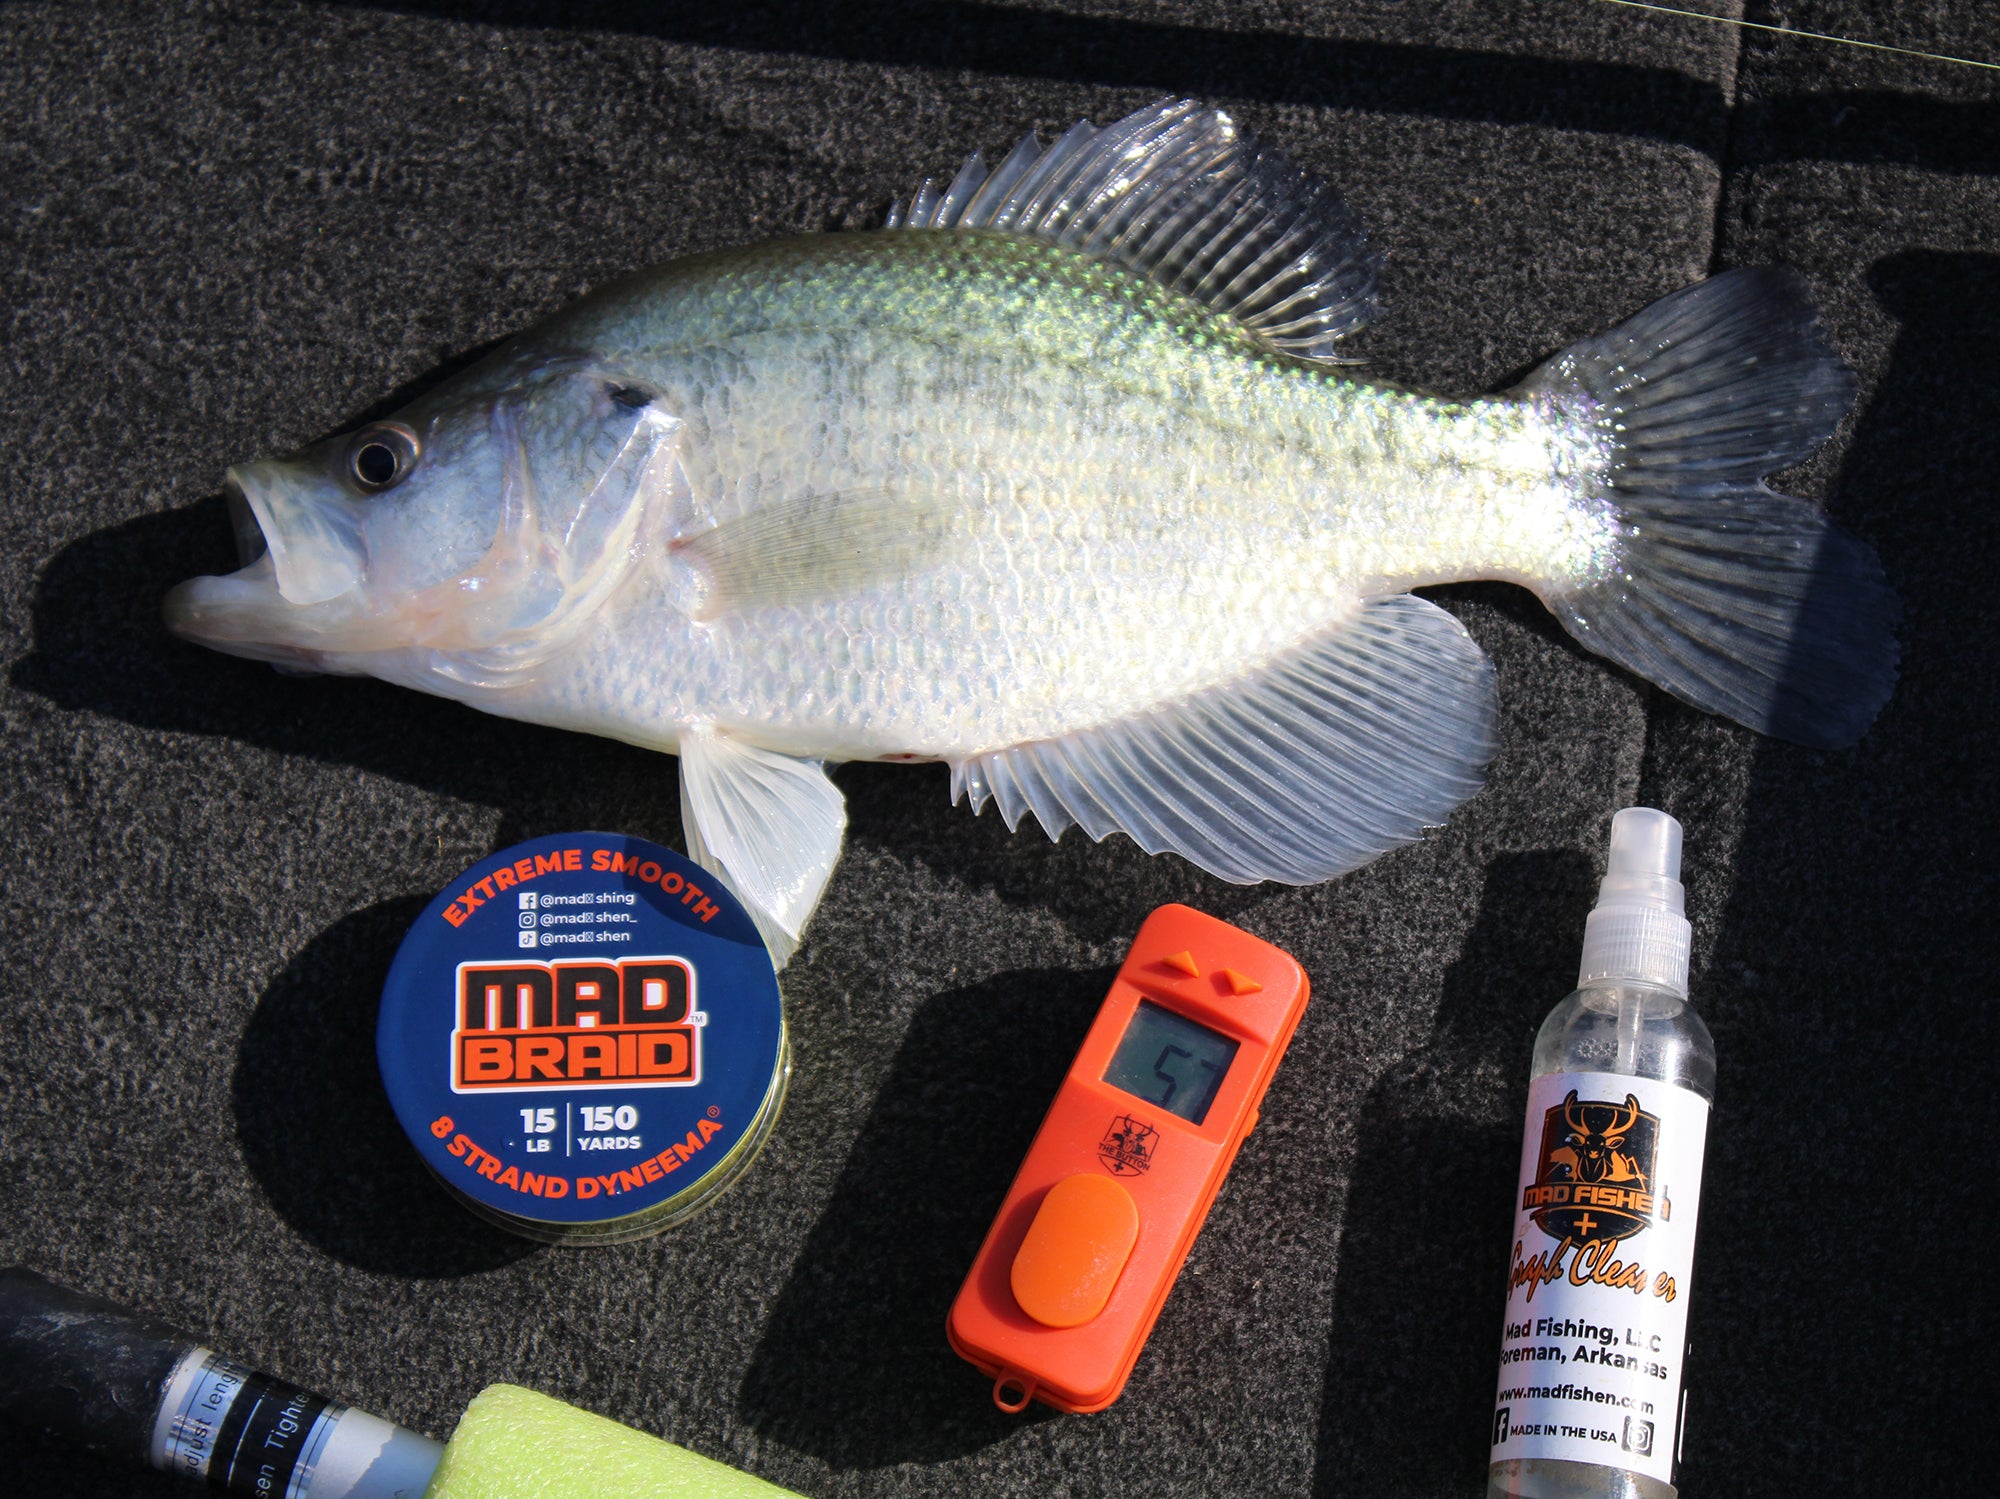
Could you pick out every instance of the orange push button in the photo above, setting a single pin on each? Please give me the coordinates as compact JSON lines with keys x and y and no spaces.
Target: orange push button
{"x":1081,"y":1237}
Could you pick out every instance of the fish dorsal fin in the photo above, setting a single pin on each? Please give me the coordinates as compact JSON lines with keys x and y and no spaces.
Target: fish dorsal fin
{"x":1178,"y":193}
{"x":769,"y":824}
{"x":1314,"y":763}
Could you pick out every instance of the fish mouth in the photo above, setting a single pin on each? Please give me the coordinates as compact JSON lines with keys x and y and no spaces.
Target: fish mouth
{"x":313,"y":538}
{"x":265,"y":610}
{"x":243,"y":525}
{"x":237,"y":613}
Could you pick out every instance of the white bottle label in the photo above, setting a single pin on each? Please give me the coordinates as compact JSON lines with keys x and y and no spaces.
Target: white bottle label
{"x":1597,"y":1291}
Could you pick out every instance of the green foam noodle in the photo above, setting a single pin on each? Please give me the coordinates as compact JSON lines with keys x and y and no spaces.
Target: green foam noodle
{"x":512,"y":1443}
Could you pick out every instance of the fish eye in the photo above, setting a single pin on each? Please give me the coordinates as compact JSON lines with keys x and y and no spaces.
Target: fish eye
{"x":381,"y":456}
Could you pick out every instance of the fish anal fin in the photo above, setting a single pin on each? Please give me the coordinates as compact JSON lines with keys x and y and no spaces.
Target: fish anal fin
{"x":1325,"y":756}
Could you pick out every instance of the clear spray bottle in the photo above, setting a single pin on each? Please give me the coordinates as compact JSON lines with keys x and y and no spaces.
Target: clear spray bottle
{"x":1590,"y":1402}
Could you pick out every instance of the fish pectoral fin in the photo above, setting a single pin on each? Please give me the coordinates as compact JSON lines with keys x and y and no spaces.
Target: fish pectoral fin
{"x":811,"y":548}
{"x":769,"y":825}
{"x":1178,"y":192}
{"x":1313,"y":763}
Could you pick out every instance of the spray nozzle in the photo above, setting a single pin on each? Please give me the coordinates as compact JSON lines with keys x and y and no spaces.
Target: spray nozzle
{"x":1644,"y":841}
{"x":1645,"y":864}
{"x":1638,"y":931}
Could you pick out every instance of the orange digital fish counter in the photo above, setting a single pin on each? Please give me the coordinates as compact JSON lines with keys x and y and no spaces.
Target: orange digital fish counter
{"x":1166,"y":1086}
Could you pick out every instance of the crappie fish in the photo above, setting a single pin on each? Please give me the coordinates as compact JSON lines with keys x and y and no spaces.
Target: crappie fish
{"x":1061,"y":479}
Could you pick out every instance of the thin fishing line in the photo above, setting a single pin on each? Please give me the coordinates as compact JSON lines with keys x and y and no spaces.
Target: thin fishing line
{"x":1818,"y":36}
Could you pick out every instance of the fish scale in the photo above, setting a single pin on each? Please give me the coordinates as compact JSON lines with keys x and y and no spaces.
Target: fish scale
{"x":1237,"y":499}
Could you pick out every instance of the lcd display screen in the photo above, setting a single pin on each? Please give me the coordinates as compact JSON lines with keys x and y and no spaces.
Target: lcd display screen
{"x":1169,"y":1060}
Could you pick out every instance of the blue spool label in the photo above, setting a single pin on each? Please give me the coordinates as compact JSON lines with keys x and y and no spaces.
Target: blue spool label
{"x":580,"y":1028}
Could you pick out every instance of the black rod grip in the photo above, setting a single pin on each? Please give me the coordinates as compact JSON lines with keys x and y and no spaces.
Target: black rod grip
{"x":80,"y":1366}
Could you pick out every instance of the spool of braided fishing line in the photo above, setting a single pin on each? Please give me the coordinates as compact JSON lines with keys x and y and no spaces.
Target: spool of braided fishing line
{"x":583,"y":1037}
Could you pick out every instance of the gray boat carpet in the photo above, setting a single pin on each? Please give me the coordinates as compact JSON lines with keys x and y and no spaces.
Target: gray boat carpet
{"x":227,"y":229}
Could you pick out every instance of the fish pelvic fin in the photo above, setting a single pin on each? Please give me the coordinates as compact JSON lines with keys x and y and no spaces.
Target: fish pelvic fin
{"x":1727,"y":594}
{"x":1178,"y":192}
{"x":769,"y":825}
{"x":1316,"y":762}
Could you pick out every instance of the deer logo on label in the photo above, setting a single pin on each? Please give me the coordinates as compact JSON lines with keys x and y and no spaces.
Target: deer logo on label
{"x":1594,"y":1175}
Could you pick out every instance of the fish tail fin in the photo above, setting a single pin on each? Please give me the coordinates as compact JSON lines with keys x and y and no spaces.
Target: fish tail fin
{"x":1731,"y":596}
